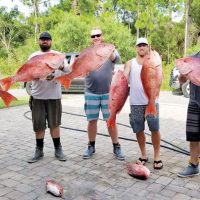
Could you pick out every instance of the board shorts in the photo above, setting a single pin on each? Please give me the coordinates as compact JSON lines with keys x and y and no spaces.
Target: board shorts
{"x":93,"y":104}
{"x":137,"y":119}
{"x":46,"y":112}
{"x":193,"y":122}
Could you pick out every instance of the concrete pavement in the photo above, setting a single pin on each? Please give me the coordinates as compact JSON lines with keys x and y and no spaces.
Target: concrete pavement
{"x":102,"y":177}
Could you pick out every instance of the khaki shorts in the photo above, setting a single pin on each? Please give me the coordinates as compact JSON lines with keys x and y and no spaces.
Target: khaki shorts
{"x":46,"y":112}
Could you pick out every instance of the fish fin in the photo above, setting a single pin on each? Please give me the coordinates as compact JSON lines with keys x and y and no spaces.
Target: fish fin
{"x":185,"y":71}
{"x":150,"y":110}
{"x":64,"y":81}
{"x":54,"y":65}
{"x":7,"y":98}
{"x":6,"y":83}
{"x":111,"y":122}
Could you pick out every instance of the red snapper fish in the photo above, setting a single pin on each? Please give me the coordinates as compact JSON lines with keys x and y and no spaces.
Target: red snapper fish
{"x":151,"y":76}
{"x":39,"y":66}
{"x":190,"y":68}
{"x":89,"y":59}
{"x":138,"y":171}
{"x":6,"y":97}
{"x":55,"y":189}
{"x":118,"y":94}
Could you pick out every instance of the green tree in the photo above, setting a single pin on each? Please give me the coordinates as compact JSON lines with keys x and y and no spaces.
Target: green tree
{"x":195,"y":12}
{"x":12,"y":34}
{"x":79,"y":7}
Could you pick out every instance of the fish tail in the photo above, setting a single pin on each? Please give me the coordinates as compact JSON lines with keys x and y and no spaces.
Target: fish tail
{"x":6,"y":83}
{"x":7,"y":98}
{"x":111,"y":122}
{"x":64,"y":81}
{"x":151,"y":110}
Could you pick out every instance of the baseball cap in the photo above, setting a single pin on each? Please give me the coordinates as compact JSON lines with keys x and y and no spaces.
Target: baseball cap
{"x":45,"y":35}
{"x":95,"y":32}
{"x":141,"y":40}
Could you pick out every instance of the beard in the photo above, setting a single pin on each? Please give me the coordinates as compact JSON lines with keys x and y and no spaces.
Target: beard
{"x":45,"y":47}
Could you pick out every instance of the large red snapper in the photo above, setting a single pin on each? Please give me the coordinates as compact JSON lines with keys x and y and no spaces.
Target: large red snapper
{"x":151,"y":76}
{"x":190,"y":68}
{"x":6,"y":97}
{"x":118,"y":94}
{"x":39,"y":66}
{"x":138,"y":171}
{"x":89,"y":59}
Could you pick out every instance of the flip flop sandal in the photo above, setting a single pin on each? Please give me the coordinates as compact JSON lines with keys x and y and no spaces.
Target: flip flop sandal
{"x":157,"y":162}
{"x":142,"y":161}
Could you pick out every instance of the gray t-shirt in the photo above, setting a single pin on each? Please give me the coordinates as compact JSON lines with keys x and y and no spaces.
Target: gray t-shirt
{"x":47,"y":89}
{"x":98,"y":82}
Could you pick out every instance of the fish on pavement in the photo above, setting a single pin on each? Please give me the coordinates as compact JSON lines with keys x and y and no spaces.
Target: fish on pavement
{"x":89,"y":59}
{"x":190,"y":68}
{"x":6,"y":97}
{"x":118,"y":94}
{"x":37,"y":67}
{"x":152,"y":76}
{"x":54,"y":188}
{"x":138,"y":171}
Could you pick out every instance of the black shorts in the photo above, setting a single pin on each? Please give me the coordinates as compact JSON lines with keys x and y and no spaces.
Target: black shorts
{"x":193,"y":122}
{"x":46,"y":111}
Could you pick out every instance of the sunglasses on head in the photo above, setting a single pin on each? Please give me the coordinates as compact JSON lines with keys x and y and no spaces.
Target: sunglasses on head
{"x":97,"y":35}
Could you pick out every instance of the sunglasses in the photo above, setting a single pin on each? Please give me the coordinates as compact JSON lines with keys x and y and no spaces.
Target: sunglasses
{"x":142,"y":45}
{"x":97,"y":35}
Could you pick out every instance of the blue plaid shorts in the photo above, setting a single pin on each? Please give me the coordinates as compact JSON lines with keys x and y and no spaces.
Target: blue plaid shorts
{"x":137,"y":119}
{"x":93,"y":104}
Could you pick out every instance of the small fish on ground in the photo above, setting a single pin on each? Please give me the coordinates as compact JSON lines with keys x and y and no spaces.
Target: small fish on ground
{"x":138,"y":171}
{"x":54,"y":188}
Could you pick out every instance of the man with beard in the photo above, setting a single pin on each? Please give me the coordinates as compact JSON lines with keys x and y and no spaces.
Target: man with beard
{"x":46,"y":105}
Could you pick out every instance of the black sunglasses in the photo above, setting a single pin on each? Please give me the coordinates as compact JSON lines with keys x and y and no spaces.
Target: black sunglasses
{"x":142,"y":45}
{"x":97,"y":35}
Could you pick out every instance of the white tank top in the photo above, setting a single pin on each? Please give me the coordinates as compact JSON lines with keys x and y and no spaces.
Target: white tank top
{"x":137,"y":94}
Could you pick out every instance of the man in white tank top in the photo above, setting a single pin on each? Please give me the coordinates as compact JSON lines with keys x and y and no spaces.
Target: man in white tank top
{"x":138,"y":102}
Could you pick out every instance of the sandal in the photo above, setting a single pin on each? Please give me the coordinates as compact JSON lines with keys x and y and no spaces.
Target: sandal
{"x":142,"y":161}
{"x":156,"y":162}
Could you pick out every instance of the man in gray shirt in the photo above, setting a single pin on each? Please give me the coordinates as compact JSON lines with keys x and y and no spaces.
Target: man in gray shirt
{"x":46,"y":104}
{"x":96,"y":98}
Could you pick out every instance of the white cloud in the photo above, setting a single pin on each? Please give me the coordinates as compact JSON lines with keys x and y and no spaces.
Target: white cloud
{"x":177,"y":16}
{"x":9,"y":4}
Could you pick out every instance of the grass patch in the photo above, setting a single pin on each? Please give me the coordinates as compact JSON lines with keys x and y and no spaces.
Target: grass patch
{"x":19,"y":102}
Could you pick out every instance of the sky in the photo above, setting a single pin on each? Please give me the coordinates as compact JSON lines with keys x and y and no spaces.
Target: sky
{"x":24,"y":9}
